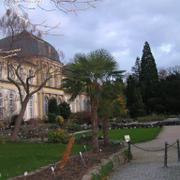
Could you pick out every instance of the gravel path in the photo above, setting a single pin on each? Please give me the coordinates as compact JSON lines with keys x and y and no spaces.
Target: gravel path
{"x":149,"y":165}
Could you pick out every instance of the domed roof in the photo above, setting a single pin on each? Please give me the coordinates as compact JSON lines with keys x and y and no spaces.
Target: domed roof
{"x":30,"y":45}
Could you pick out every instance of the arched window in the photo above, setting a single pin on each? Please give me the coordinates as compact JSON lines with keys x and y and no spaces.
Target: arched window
{"x":31,"y":110}
{"x":46,"y":100}
{"x":11,"y":102}
{"x":1,"y":106}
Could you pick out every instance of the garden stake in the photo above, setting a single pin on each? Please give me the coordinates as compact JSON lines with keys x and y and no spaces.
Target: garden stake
{"x":82,"y":159}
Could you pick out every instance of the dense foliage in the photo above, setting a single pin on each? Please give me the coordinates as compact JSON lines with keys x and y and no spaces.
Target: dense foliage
{"x":151,"y":92}
{"x":55,"y":110}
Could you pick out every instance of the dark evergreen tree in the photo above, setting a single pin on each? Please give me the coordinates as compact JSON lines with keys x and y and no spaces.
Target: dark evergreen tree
{"x":136,"y":69}
{"x":148,"y":77}
{"x":52,"y":106}
{"x":134,"y":98}
{"x":169,"y":89}
{"x":64,"y":110}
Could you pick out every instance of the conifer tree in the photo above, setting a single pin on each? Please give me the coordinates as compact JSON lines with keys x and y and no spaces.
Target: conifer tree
{"x":134,"y":98}
{"x":136,"y":69}
{"x":148,"y":76}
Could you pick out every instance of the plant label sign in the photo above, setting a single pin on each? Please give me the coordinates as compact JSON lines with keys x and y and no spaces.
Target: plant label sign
{"x":127,"y":138}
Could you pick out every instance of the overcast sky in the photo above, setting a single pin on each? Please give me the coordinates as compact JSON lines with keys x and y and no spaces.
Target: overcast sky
{"x":121,"y":27}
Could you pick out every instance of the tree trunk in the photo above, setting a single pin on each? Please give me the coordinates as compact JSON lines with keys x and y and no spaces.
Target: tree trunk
{"x":94,"y":120}
{"x":19,"y":119}
{"x":105,"y":125}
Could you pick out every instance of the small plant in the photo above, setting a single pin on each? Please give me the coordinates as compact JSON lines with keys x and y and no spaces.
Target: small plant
{"x":128,"y":155}
{"x":1,"y":125}
{"x":59,"y":136}
{"x":83,"y":138}
{"x":52,"y":118}
{"x":73,"y":127}
{"x":104,"y":172}
{"x":60,"y":120}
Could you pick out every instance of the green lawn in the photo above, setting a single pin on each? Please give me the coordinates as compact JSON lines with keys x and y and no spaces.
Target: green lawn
{"x":16,"y":158}
{"x":137,"y":135}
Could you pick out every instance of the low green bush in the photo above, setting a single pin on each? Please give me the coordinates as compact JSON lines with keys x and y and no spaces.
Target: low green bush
{"x":58,"y":136}
{"x":83,"y":138}
{"x":153,"y":117}
{"x":2,"y":124}
{"x":52,"y":118}
{"x":73,"y":127}
{"x":104,"y":172}
{"x":81,"y":117}
{"x":60,"y":120}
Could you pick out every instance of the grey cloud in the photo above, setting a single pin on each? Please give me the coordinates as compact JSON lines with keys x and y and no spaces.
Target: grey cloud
{"x":121,"y":27}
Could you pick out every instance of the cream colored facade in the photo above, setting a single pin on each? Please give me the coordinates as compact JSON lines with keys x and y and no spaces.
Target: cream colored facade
{"x":38,"y":105}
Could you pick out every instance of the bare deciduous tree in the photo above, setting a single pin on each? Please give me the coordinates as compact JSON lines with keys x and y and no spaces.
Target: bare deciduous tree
{"x":65,"y":6}
{"x":11,"y":24}
{"x":24,"y":84}
{"x":39,"y":73}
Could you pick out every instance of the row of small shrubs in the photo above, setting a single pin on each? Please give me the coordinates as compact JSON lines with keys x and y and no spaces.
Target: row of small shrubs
{"x":81,"y":117}
{"x":62,"y":136}
{"x":58,"y":136}
{"x":73,"y":127}
{"x":153,"y":117}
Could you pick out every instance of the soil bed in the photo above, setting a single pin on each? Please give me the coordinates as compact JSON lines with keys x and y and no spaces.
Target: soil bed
{"x":74,"y":169}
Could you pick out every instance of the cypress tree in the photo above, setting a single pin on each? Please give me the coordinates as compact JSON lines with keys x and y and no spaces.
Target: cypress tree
{"x":148,"y":76}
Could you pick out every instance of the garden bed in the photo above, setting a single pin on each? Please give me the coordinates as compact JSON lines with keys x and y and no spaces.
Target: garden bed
{"x":75,"y":169}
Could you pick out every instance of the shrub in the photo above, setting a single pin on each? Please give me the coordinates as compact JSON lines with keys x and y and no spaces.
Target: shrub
{"x":81,"y":117}
{"x":64,"y":110}
{"x":59,"y":136}
{"x":83,"y":138}
{"x":33,"y":122}
{"x":60,"y":120}
{"x":73,"y":127}
{"x":153,"y":117}
{"x":104,"y":171}
{"x":2,"y":124}
{"x":52,"y":106}
{"x":51,"y":118}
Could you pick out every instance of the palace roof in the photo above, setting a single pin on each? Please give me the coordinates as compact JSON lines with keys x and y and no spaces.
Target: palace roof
{"x":30,"y":45}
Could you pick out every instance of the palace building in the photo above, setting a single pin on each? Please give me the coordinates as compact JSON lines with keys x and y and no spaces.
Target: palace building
{"x":37,"y":51}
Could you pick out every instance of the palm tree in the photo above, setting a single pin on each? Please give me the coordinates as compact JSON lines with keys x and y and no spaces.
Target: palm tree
{"x":87,"y":75}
